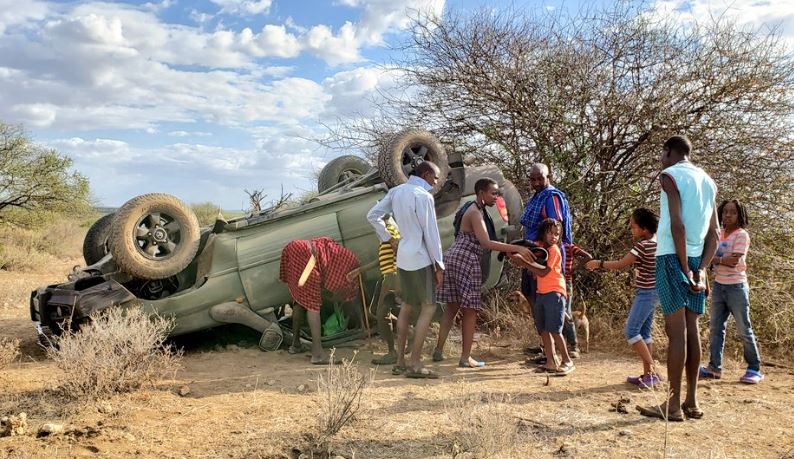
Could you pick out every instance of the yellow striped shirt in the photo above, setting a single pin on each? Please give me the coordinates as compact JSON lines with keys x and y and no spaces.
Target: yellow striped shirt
{"x":386,"y":257}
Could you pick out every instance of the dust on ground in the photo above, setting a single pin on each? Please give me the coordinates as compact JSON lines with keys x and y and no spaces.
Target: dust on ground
{"x":246,"y":403}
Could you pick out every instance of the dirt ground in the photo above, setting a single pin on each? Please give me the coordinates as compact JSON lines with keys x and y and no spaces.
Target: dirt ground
{"x":247,"y":403}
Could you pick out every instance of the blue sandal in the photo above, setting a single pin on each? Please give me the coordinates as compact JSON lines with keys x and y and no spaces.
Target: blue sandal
{"x":708,"y":373}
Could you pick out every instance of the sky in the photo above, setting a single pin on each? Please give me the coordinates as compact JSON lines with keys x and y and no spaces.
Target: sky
{"x":203,"y":99}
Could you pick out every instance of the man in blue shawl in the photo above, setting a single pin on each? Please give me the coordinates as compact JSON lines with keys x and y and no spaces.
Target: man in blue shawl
{"x":547,"y":202}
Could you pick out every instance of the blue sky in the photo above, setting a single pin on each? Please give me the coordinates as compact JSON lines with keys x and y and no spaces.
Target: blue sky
{"x":203,"y":99}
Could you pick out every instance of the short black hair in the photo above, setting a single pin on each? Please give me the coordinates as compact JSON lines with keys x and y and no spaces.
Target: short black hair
{"x":679,"y":143}
{"x":483,"y":184}
{"x":743,"y":219}
{"x":546,"y":225}
{"x":646,"y":219}
{"x":424,"y":167}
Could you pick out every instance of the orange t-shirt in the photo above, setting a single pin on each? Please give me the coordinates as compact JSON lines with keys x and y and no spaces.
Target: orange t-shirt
{"x":554,"y":281}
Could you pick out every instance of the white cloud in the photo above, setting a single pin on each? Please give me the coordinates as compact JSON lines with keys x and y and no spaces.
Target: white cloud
{"x":243,"y":7}
{"x":356,"y":92}
{"x":272,"y":41}
{"x":189,"y":134}
{"x":334,"y":49}
{"x":760,"y":15}
{"x":13,"y":14}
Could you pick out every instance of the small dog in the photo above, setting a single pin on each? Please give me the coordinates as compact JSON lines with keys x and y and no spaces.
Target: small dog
{"x":579,"y":319}
{"x":518,"y":302}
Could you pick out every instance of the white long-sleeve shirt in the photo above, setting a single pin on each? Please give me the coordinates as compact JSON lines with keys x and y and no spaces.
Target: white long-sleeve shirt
{"x":413,"y":209}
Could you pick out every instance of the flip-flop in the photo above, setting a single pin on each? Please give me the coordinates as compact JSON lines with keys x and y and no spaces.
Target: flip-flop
{"x":658,"y":412}
{"x":532,"y":350}
{"x":387,"y":359}
{"x":438,"y":356}
{"x":326,"y":361}
{"x":422,"y":373}
{"x":398,"y":370}
{"x":479,"y":364}
{"x":692,"y":412}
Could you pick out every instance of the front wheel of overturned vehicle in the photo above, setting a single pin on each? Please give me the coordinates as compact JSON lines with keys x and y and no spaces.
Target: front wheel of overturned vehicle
{"x":154,"y":236}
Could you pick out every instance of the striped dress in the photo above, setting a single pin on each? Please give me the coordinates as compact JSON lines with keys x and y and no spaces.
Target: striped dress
{"x":463,"y":275}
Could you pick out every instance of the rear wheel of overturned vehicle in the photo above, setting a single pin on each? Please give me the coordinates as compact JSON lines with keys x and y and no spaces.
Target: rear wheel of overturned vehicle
{"x":342,"y":169}
{"x":406,"y":151}
{"x":154,"y":236}
{"x":95,"y":244}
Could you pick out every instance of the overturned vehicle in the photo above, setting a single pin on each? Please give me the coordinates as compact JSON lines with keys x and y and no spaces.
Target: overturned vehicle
{"x":151,"y":253}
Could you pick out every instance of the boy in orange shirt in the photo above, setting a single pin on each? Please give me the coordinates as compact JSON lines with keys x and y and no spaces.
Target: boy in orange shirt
{"x":549,"y":307}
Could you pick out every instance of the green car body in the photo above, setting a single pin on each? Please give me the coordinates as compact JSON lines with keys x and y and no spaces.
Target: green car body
{"x":238,"y":262}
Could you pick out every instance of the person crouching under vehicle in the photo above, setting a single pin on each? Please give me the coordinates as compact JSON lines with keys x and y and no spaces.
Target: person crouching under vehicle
{"x":307,"y":267}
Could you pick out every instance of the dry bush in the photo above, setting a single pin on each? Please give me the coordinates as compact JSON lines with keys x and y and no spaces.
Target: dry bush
{"x":9,"y":350}
{"x":503,"y":321}
{"x":206,"y":212}
{"x":29,"y":248}
{"x":485,"y":424}
{"x":119,"y":351}
{"x":340,"y":389}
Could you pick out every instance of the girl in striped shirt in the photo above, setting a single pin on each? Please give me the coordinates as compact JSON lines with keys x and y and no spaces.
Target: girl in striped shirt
{"x":730,"y":293}
{"x":643,"y":225}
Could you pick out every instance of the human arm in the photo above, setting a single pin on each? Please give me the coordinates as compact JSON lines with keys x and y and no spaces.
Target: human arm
{"x":426,"y":216}
{"x":354,"y":273}
{"x":473,"y":219}
{"x":711,"y":243}
{"x":627,"y":260}
{"x":677,"y":227}
{"x":375,"y":218}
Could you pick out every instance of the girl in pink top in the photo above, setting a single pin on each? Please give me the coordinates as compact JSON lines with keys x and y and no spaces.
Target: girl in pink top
{"x":730,"y":294}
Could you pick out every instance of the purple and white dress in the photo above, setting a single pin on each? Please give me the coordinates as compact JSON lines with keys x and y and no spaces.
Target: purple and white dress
{"x":463,"y":275}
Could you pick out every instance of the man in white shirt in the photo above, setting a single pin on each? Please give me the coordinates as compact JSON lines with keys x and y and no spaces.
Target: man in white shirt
{"x":419,"y":258}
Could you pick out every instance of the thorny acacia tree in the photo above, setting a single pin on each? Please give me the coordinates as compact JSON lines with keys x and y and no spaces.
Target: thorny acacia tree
{"x":33,"y":178}
{"x":594,"y":96}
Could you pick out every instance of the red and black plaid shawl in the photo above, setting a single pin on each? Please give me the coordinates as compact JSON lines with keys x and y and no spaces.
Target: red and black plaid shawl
{"x":333,"y":263}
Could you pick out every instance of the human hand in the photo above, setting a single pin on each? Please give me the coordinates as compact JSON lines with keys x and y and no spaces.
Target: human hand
{"x":394,"y":244}
{"x":352,"y":275}
{"x":525,"y":254}
{"x":439,"y":277}
{"x":731,"y":260}
{"x":591,"y":265}
{"x":697,"y":280}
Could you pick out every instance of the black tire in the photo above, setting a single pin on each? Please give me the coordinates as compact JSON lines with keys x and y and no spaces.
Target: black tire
{"x":405,"y":151}
{"x":154,"y":236}
{"x":95,"y":244}
{"x":340,"y":169}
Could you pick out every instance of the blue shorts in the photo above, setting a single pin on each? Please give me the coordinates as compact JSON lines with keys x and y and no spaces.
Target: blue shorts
{"x":549,"y":309}
{"x":672,"y":285}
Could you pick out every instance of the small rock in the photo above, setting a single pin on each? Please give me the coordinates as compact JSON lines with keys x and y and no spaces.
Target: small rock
{"x":50,"y":428}
{"x":104,"y":407}
{"x":302,"y":388}
{"x":128,"y":436}
{"x":624,"y":433}
{"x":249,"y":385}
{"x":13,"y":425}
{"x":303,"y":456}
{"x":271,"y":382}
{"x":183,"y":391}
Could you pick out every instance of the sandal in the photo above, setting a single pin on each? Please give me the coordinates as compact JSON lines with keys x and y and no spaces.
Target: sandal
{"x":463,"y":364}
{"x":658,"y":412}
{"x":438,"y":355}
{"x":422,"y":373}
{"x":398,"y":370}
{"x":563,"y":370}
{"x":692,"y":412}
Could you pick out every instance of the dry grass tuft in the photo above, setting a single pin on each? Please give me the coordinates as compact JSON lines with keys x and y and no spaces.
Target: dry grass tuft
{"x":9,"y":350}
{"x":485,"y":424}
{"x":28,"y":249}
{"x":119,"y":351}
{"x":340,"y":389}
